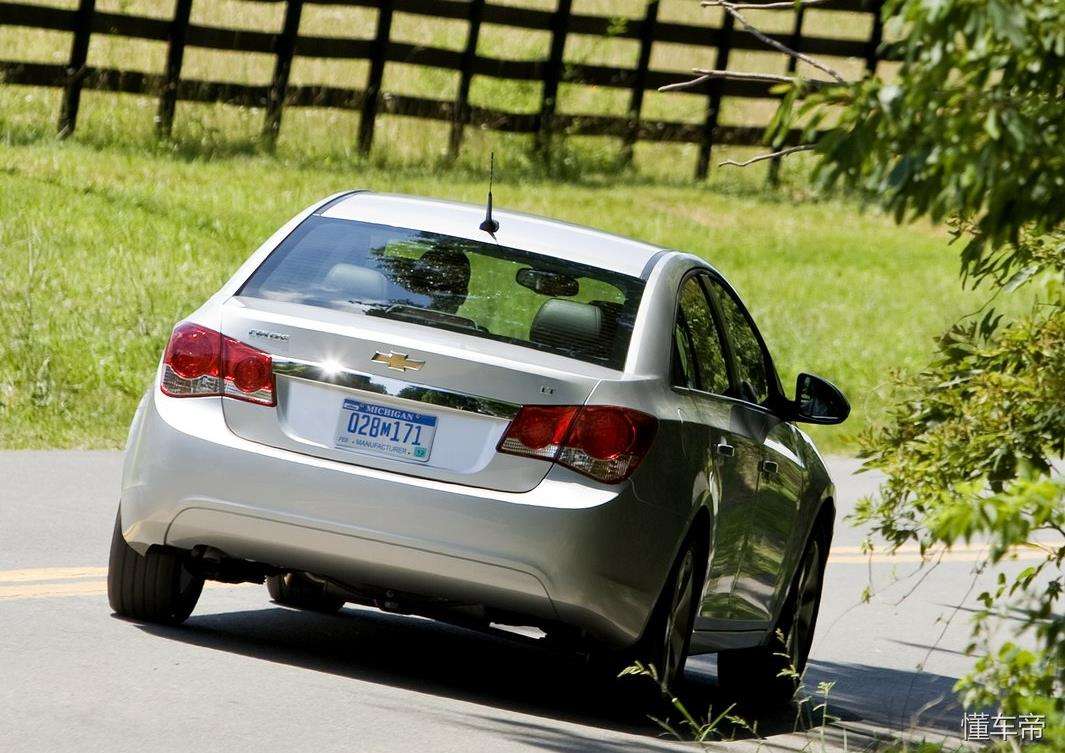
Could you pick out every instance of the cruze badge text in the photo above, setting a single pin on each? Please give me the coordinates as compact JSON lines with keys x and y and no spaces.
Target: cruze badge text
{"x":262,"y":334}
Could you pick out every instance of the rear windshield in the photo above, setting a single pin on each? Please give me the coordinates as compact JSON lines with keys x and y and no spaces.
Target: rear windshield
{"x":476,"y":288}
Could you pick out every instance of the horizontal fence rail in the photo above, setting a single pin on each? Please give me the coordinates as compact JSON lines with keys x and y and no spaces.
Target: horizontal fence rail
{"x":369,"y":99}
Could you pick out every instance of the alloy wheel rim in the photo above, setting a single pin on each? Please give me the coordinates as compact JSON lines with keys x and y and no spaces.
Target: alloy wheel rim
{"x":677,"y":620}
{"x":805,"y":612}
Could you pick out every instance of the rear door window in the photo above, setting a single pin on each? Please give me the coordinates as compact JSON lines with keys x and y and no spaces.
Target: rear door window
{"x":696,"y":319}
{"x":466,"y":286}
{"x":683,"y":358}
{"x":751,"y":370}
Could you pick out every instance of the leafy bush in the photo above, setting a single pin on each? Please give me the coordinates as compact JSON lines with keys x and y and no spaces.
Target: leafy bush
{"x":969,"y":130}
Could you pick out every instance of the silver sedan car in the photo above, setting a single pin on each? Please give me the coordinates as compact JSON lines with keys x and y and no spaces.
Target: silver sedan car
{"x":395,"y":404}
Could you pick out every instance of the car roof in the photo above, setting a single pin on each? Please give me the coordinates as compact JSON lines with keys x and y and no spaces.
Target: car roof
{"x":527,"y":232}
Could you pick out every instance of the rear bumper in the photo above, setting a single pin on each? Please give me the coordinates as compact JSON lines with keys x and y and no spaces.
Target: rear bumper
{"x":592,"y":556}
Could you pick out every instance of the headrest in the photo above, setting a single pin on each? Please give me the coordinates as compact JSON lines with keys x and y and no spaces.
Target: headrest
{"x":358,"y":283}
{"x":567,"y":324}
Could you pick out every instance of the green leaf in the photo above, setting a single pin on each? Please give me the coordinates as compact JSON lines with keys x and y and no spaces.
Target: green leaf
{"x":1021,"y":277}
{"x":991,"y":124}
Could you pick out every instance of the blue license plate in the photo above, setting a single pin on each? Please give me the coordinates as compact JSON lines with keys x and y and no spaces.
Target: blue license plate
{"x":384,"y":430}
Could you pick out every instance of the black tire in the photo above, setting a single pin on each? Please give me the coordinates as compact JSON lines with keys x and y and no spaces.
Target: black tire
{"x":667,"y":637}
{"x":156,"y":587}
{"x":300,"y":592}
{"x":763,"y":674}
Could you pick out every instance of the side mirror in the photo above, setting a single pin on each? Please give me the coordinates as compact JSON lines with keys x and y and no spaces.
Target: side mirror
{"x":818,"y":401}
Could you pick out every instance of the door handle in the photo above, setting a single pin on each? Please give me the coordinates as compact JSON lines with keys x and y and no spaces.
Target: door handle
{"x":769,"y":466}
{"x":725,"y":449}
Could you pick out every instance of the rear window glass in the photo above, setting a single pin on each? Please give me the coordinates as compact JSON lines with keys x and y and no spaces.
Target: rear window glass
{"x":476,"y":288}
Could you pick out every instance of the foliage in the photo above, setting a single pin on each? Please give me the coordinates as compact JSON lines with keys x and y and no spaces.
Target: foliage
{"x":812,"y":716}
{"x":725,"y":725}
{"x":967,"y":454}
{"x":969,"y":130}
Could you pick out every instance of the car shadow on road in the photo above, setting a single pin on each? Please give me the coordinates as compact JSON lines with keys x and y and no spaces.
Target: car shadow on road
{"x":891,"y":699}
{"x":490,"y":670}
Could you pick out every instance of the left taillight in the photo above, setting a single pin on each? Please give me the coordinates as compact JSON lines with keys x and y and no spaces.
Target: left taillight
{"x":200,"y":362}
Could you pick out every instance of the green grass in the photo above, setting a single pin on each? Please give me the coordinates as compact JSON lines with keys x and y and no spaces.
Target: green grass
{"x":103,"y":248}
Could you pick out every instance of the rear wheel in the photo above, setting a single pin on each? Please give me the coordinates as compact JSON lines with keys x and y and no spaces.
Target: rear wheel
{"x":770,"y":673}
{"x":155,"y":587}
{"x":667,"y":637}
{"x":298,"y":591}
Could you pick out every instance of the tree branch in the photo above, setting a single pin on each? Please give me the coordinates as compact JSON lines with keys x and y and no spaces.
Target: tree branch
{"x":762,"y":157}
{"x":762,"y":6}
{"x":706,"y":75}
{"x":730,"y":8}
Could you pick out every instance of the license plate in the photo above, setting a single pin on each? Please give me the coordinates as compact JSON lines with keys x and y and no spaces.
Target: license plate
{"x":384,"y":430}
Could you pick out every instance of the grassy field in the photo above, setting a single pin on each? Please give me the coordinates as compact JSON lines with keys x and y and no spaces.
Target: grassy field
{"x":103,"y":248}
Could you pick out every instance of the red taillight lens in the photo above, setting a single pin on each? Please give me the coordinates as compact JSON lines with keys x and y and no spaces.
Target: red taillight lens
{"x":249,"y":373}
{"x":605,"y":433}
{"x":193,"y":351}
{"x":602,"y":441}
{"x":200,"y":362}
{"x":538,"y":430}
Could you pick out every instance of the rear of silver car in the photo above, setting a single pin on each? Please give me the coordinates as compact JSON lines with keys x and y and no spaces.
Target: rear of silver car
{"x":344,"y":413}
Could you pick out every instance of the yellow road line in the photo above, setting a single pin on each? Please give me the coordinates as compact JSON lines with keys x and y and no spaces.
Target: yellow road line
{"x":902,"y":559}
{"x":976,"y":547}
{"x":58,"y":582}
{"x":911,"y":553}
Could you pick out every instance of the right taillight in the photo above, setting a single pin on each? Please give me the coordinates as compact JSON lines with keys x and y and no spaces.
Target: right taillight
{"x":604,"y":442}
{"x":200,"y":362}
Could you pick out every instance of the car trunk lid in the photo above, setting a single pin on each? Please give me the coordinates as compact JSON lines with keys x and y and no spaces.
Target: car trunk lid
{"x":396,"y":396}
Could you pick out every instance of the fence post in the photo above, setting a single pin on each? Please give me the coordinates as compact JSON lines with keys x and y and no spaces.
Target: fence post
{"x":461,"y":116}
{"x":175,"y":55}
{"x":713,"y":101}
{"x":285,"y":46}
{"x":79,"y":53}
{"x":647,"y":38}
{"x":372,"y":99}
{"x":876,"y":36}
{"x":795,"y":43}
{"x":552,"y":76}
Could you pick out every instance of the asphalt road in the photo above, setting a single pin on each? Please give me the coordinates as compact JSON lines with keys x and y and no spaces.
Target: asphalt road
{"x":245,"y":674}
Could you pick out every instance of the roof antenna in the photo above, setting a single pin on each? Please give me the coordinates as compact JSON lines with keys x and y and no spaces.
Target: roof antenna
{"x":489,"y":225}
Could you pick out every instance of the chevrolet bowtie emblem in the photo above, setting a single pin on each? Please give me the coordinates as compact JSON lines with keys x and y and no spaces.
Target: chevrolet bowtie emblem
{"x":397,"y":361}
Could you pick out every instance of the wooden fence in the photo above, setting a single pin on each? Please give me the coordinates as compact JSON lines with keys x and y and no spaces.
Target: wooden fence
{"x":380,"y":49}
